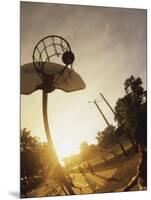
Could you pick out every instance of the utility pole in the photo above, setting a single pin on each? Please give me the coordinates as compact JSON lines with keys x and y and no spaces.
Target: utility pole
{"x":129,"y":134}
{"x":108,"y":104}
{"x":101,"y":113}
{"x":108,"y":124}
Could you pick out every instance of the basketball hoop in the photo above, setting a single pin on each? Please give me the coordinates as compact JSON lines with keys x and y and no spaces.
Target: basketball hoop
{"x":49,"y":49}
{"x":51,"y":69}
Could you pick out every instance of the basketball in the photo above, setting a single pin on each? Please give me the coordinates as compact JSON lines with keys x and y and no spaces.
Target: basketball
{"x":68,"y":58}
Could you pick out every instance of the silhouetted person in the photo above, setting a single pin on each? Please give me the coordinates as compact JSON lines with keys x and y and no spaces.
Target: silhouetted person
{"x":70,"y":181}
{"x":90,"y":168}
{"x":140,"y":178}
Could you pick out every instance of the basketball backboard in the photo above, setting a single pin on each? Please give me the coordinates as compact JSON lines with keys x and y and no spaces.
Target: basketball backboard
{"x":69,"y":81}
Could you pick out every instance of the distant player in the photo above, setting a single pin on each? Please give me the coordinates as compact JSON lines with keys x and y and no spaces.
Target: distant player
{"x":140,"y":178}
{"x":90,"y":168}
{"x":70,"y":181}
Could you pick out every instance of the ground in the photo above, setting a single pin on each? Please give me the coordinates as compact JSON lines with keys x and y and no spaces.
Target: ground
{"x":107,"y":177}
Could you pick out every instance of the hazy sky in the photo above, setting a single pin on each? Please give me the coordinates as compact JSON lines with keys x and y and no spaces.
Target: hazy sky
{"x":109,"y":45}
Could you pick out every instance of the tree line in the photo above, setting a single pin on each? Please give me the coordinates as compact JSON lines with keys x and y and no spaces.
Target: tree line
{"x":36,"y":161}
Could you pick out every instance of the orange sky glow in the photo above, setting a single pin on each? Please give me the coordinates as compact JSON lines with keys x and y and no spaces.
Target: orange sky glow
{"x":109,"y":45}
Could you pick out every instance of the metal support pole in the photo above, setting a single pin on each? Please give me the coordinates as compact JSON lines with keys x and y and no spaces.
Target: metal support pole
{"x":108,"y":124}
{"x":108,"y":103}
{"x":101,"y":113}
{"x":61,"y":176}
{"x":129,"y":134}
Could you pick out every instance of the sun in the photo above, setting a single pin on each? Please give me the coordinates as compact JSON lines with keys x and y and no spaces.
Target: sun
{"x":66,"y":148}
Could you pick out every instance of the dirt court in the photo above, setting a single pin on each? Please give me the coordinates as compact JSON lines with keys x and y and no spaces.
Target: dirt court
{"x":124,"y":174}
{"x":111,"y":177}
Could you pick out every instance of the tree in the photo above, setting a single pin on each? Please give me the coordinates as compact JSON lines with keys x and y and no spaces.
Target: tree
{"x":83,"y":146}
{"x":36,"y":161}
{"x":30,"y":161}
{"x":106,"y":137}
{"x":84,"y":150}
{"x":129,"y":108}
{"x":106,"y":140}
{"x":28,"y":143}
{"x":30,"y":153}
{"x":126,"y":112}
{"x":134,"y":87}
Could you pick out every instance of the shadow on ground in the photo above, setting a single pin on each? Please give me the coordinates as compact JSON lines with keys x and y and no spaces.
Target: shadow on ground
{"x":15,"y":194}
